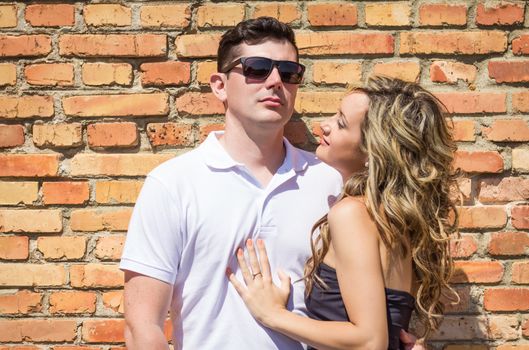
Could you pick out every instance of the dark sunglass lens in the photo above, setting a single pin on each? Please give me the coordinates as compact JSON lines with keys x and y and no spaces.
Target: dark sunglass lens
{"x":291,"y":72}
{"x":257,"y":67}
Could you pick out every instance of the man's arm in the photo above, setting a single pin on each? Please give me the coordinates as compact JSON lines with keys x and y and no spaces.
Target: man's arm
{"x":147,"y":302}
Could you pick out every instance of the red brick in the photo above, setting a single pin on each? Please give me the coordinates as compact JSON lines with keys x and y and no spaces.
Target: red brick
{"x":520,"y":216}
{"x":8,"y":16}
{"x":125,"y":105}
{"x":464,"y":189}
{"x":507,"y":130}
{"x":404,"y":70}
{"x":107,"y":74}
{"x":473,"y":102}
{"x":100,"y":219}
{"x":525,"y":330}
{"x":503,"y":190}
{"x":165,"y":73}
{"x":62,"y":248}
{"x":118,"y":192}
{"x":72,"y":302}
{"x":32,"y":275}
{"x":77,"y":347}
{"x":443,"y":14}
{"x":115,"y":164}
{"x":107,"y":15}
{"x":104,"y":331}
{"x":520,"y":45}
{"x":8,"y":73}
{"x":464,"y":247}
{"x":219,"y":15}
{"x":58,"y":135}
{"x":11,"y":135}
{"x":296,"y":132}
{"x":30,"y":220}
{"x":65,"y":192}
{"x":454,"y":42}
{"x":508,"y":346}
{"x":50,"y":15}
{"x":23,"y":347}
{"x":109,"y":247}
{"x":197,"y":45}
{"x":172,"y":15}
{"x":29,"y":165}
{"x":26,"y":106}
{"x":502,"y":14}
{"x":176,"y":134}
{"x":196,"y":103}
{"x":18,"y":192}
{"x":318,"y":102}
{"x":508,"y":243}
{"x":113,"y":45}
{"x":113,"y":300}
{"x":204,"y":130}
{"x":520,"y":101}
{"x":21,"y":302}
{"x":336,"y":72}
{"x":464,"y":130}
{"x":284,"y":12}
{"x":476,"y":328}
{"x":388,"y":14}
{"x":102,"y":135}
{"x":337,"y":43}
{"x":96,"y":276}
{"x":332,"y":14}
{"x":38,"y":330}
{"x":14,"y":247}
{"x":477,"y":272}
{"x":451,"y":72}
{"x":479,"y":161}
{"x":509,"y":71}
{"x":520,"y":159}
{"x":25,"y":45}
{"x":50,"y":74}
{"x":520,"y":273}
{"x":204,"y":71}
{"x":506,"y":299}
{"x":482,"y":217}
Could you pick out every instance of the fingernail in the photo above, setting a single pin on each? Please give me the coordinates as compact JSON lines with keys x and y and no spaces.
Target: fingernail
{"x":249,"y":243}
{"x":239,"y":252}
{"x":260,"y":242}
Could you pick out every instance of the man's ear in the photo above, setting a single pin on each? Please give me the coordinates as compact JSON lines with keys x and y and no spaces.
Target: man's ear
{"x":217,"y":82}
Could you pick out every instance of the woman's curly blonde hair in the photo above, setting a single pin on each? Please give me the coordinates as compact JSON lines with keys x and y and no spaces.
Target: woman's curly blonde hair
{"x":406,"y":188}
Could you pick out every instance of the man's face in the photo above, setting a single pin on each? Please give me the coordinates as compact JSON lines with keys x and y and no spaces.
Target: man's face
{"x":265,"y":103}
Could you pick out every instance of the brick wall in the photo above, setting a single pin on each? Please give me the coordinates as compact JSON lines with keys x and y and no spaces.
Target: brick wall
{"x":94,"y":95}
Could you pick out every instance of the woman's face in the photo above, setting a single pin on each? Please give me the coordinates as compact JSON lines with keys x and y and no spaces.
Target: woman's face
{"x":340,"y":143}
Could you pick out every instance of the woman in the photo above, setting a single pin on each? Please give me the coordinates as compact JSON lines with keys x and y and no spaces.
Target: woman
{"x":383,"y":248}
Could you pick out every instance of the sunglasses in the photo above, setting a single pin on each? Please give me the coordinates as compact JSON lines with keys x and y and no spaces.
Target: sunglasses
{"x":259,"y":68}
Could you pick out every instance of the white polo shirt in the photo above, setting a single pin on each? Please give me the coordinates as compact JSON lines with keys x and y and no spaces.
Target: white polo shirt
{"x":192,"y":214}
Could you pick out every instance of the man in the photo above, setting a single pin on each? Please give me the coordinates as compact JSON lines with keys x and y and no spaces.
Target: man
{"x":195,"y":210}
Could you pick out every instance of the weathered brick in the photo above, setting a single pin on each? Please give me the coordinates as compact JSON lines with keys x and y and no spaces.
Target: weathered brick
{"x":173,"y":15}
{"x":176,"y":134}
{"x":520,"y":159}
{"x":453,"y":43}
{"x":14,"y":247}
{"x":102,"y":135}
{"x":104,"y":330}
{"x":109,"y":247}
{"x":477,"y":327}
{"x":197,"y":45}
{"x":113,"y":45}
{"x":25,"y":45}
{"x":477,"y":272}
{"x":503,"y":190}
{"x":464,"y":303}
{"x":525,"y":329}
{"x":479,"y":161}
{"x":451,"y":72}
{"x":29,"y":165}
{"x":508,"y":346}
{"x":404,"y":70}
{"x":463,"y":247}
{"x":332,"y":14}
{"x":77,"y":347}
{"x":520,"y":45}
{"x":482,"y":217}
{"x":65,"y":192}
{"x":21,"y":302}
{"x":336,"y":72}
{"x":8,"y":73}
{"x":284,"y":12}
{"x":123,"y":105}
{"x":318,"y":102}
{"x":520,"y":273}
{"x":508,"y":243}
{"x":509,"y":71}
{"x":388,"y":14}
{"x":115,"y":164}
{"x":520,"y":216}
{"x":506,"y":299}
{"x":296,"y":132}
{"x":50,"y":15}
{"x":464,"y":130}
{"x":118,"y":192}
{"x":100,"y":219}
{"x":442,"y":14}
{"x":72,"y":302}
{"x":62,"y":248}
{"x":39,"y":330}
{"x":50,"y":74}
{"x":20,"y":192}
{"x":204,"y":71}
{"x":473,"y":102}
{"x":96,"y":276}
{"x":11,"y":135}
{"x":507,"y":130}
{"x":30,"y":220}
{"x":219,"y":15}
{"x":520,"y":101}
{"x":204,"y":130}
{"x":26,"y":106}
{"x":100,"y":73}
{"x":107,"y":15}
{"x":58,"y":135}
{"x":165,"y":73}
{"x":196,"y":103}
{"x":8,"y":16}
{"x":336,"y":43}
{"x":462,"y":193}
{"x":113,"y":300}
{"x":504,"y":13}
{"x":29,"y":275}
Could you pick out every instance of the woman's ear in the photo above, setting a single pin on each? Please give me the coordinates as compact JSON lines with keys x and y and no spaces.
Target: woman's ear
{"x":217,"y":82}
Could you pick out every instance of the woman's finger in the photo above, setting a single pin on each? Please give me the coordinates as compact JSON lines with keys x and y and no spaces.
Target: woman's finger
{"x":235,"y":282}
{"x":246,"y":273}
{"x":254,"y":262}
{"x":263,"y":259}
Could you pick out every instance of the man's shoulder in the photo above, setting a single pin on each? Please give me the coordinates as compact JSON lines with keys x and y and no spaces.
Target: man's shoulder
{"x":180,"y":165}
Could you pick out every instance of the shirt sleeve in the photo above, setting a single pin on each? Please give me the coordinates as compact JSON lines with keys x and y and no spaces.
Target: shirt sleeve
{"x":154,"y":241}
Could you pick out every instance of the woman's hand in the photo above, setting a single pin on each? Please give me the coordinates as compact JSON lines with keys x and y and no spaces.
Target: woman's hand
{"x":263,"y":298}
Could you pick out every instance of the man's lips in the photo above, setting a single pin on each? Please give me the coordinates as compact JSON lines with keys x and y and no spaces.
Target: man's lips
{"x":275,"y":100}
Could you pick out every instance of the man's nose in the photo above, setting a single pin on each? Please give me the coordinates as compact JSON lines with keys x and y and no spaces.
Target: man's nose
{"x":274,"y":79}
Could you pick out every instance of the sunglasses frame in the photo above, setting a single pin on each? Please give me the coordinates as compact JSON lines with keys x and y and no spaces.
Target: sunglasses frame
{"x":275,"y":63}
